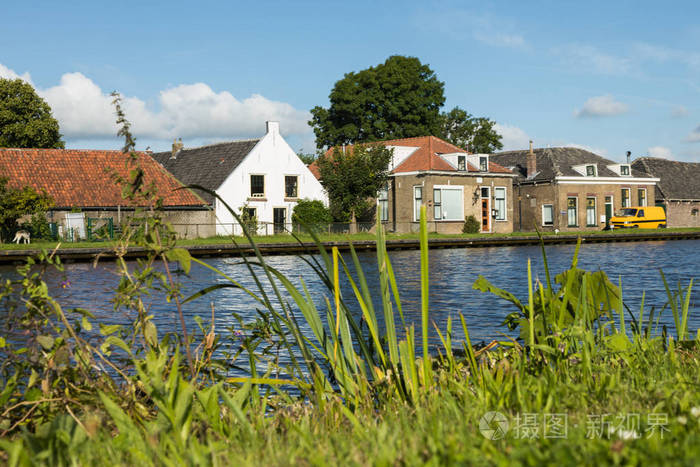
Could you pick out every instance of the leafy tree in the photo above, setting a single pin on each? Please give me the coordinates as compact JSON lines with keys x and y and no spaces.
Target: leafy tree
{"x":399,"y":98}
{"x":476,"y":134}
{"x":25,"y":118}
{"x":16,"y":203}
{"x":312,"y":213}
{"x":353,"y":177}
{"x":306,"y":158}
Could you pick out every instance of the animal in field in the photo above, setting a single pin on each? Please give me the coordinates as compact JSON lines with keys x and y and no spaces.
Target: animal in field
{"x":21,"y":235}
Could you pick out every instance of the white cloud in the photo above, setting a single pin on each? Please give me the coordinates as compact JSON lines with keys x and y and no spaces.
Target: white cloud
{"x":8,"y":73}
{"x":679,"y":112}
{"x":657,"y":53}
{"x":660,"y":151}
{"x":694,"y":136}
{"x":513,"y":137}
{"x":582,"y":57}
{"x":601,"y":106}
{"x":84,"y":111}
{"x":462,"y":24}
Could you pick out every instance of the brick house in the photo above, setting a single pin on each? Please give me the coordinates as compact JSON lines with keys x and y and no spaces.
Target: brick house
{"x":81,"y":185}
{"x":678,"y":189}
{"x":452,"y":183}
{"x":572,"y":189}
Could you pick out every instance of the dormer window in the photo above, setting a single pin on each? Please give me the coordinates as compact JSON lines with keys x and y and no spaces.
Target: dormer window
{"x":624,"y":170}
{"x":590,"y":171}
{"x":483,"y":164}
{"x":462,"y":163}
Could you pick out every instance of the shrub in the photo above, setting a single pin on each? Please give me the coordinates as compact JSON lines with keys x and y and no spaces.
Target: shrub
{"x":312,"y":213}
{"x":39,"y":228}
{"x":471,"y":225}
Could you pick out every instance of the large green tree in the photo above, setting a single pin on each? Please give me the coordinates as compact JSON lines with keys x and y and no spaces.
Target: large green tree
{"x":476,"y":134}
{"x":399,"y":98}
{"x":353,"y":177}
{"x":25,"y":118}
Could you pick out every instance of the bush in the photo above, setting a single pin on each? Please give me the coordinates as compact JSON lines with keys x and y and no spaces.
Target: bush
{"x":39,"y":228}
{"x":471,"y":225}
{"x":312,"y":213}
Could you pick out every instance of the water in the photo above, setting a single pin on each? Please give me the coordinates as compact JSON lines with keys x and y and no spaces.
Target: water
{"x":452,"y":274}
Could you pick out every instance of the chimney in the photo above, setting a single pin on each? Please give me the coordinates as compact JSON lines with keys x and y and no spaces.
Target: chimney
{"x":629,"y":154}
{"x":177,"y":147}
{"x":273,"y":127}
{"x":531,"y":162}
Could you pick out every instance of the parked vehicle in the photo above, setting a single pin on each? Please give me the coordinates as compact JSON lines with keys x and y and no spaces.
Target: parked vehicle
{"x":645,"y":217}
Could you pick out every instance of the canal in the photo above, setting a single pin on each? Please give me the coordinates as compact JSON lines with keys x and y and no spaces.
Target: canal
{"x":452,"y":274}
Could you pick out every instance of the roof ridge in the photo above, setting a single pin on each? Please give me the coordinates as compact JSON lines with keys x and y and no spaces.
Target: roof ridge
{"x":249,"y":140}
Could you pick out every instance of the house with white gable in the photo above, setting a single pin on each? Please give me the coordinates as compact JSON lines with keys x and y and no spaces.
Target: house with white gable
{"x":262,"y":177}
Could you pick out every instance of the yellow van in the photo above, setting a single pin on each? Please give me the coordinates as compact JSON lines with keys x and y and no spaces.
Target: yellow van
{"x":644,"y":217}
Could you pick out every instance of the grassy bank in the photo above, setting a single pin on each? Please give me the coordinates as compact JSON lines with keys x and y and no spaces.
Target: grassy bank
{"x":588,"y":381}
{"x":287,"y":238}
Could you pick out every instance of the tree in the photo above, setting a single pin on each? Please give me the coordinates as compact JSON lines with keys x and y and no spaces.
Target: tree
{"x":400,"y":98}
{"x":312,"y":213}
{"x":16,"y":203}
{"x":475,"y":134}
{"x":306,"y":158}
{"x":25,"y":118}
{"x":353,"y":177}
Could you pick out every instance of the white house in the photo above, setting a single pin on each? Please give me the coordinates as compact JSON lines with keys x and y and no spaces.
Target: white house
{"x":263,"y":176}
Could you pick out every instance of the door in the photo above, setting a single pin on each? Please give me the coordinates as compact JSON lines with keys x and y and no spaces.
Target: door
{"x":279,"y":219}
{"x":485,"y":209}
{"x":608,"y":211}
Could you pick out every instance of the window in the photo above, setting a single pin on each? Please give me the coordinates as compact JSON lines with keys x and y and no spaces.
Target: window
{"x":694,"y":212}
{"x":642,"y":197}
{"x":500,"y":195}
{"x":590,"y":212}
{"x":624,"y":170}
{"x":257,"y":186}
{"x":640,"y":213}
{"x":571,"y":211}
{"x":448,"y":203}
{"x":417,"y":202}
{"x":249,"y":213}
{"x":590,"y":171}
{"x":461,"y":163}
{"x":626,"y":198}
{"x":484,"y":164}
{"x":547,"y":214}
{"x":383,"y":203}
{"x":291,"y":184}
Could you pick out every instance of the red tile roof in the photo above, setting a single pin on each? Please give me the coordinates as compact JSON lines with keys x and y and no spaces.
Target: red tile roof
{"x":425,"y":157}
{"x":82,"y":178}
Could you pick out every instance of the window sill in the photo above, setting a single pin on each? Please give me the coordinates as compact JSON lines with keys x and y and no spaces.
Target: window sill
{"x":252,"y":198}
{"x":292,"y":199}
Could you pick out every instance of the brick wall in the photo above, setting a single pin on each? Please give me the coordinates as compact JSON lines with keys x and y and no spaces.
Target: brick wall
{"x":682,"y":213}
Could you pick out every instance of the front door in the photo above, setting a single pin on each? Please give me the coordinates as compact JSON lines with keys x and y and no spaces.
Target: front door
{"x":279,"y":219}
{"x":608,"y":211}
{"x":485,"y":209}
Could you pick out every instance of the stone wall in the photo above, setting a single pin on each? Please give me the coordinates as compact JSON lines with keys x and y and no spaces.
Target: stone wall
{"x":682,"y":213}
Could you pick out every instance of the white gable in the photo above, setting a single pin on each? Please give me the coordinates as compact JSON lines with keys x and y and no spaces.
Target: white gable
{"x":401,"y":153}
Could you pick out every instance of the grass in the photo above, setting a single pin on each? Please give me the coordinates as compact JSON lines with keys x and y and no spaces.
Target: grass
{"x":286,"y":238}
{"x":354,"y":393}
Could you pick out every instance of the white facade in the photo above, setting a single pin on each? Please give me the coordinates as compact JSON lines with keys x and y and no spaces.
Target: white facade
{"x":274,"y":160}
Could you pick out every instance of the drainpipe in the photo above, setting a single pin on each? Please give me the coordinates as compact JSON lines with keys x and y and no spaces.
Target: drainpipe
{"x":520,"y":210}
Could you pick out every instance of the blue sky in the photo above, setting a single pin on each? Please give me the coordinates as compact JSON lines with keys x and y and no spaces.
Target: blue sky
{"x":608,"y":76}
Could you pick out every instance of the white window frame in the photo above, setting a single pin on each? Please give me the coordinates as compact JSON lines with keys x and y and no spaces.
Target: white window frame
{"x":383,"y":203}
{"x":551,"y":209}
{"x":646,"y":200}
{"x":629,"y":170}
{"x":285,"y":186}
{"x":416,"y":207}
{"x":595,"y":211}
{"x":250,"y":190}
{"x":595,"y":170}
{"x":481,"y":169}
{"x":459,"y":188}
{"x":622,"y":197}
{"x":505,"y":203}
{"x":569,"y":224}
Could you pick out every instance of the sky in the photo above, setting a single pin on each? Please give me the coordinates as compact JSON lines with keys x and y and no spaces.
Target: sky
{"x":610,"y":76}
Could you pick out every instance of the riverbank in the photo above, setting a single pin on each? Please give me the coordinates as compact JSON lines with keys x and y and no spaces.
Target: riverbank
{"x":286,"y":244}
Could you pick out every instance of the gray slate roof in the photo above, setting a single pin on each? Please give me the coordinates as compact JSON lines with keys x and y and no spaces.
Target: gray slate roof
{"x":207,"y":166}
{"x":679,"y":180}
{"x":556,"y":162}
